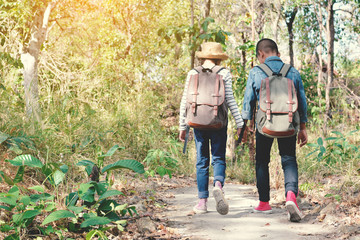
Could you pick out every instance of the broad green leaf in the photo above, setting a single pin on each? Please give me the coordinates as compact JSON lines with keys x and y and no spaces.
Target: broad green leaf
{"x":95,"y":221}
{"x":127,"y":163}
{"x":64,"y":168}
{"x":37,"y":188}
{"x":25,"y":200}
{"x":14,"y":236}
{"x":322,"y":149}
{"x":5,"y":207}
{"x":85,"y":163}
{"x":50,"y":206}
{"x":54,"y":216}
{"x":320,"y":141}
{"x":331,"y":138}
{"x":112,"y":151}
{"x":84,"y":187}
{"x":26,"y":215}
{"x":94,"y":233}
{"x":161,"y":171}
{"x":26,"y":160}
{"x":6,"y":178}
{"x":110,"y":193}
{"x":19,"y":175}
{"x":75,"y":209}
{"x":101,"y":187}
{"x":338,"y":133}
{"x":71,"y":199}
{"x":58,"y":177}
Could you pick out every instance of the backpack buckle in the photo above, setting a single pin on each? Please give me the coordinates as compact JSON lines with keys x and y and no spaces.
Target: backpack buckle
{"x":268,"y":114}
{"x":290,"y":116}
{"x":277,"y":74}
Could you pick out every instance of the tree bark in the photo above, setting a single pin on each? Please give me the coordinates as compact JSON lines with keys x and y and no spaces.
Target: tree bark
{"x":207,"y":8}
{"x":30,"y":59}
{"x":192,"y":54}
{"x":330,"y":34}
{"x":289,"y":19}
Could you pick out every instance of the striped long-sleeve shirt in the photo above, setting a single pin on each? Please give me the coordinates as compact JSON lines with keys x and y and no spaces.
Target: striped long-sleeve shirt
{"x":229,"y":98}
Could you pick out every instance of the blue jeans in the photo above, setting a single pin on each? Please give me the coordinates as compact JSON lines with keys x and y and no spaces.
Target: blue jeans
{"x":287,"y":147}
{"x":217,"y":138}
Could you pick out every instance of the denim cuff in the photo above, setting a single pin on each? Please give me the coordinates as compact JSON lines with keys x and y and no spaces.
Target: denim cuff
{"x":221,"y":179}
{"x":203,"y":194}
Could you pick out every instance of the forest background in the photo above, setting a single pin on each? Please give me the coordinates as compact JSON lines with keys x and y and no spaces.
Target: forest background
{"x":80,"y":76}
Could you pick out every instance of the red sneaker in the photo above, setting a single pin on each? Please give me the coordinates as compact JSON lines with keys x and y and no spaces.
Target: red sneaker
{"x":263,"y":207}
{"x":295,"y":215}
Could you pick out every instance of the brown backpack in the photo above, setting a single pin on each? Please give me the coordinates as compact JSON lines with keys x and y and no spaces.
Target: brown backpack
{"x":205,"y":103}
{"x":277,"y":116}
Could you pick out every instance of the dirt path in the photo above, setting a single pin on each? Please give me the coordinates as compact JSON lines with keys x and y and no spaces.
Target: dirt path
{"x":240,"y":222}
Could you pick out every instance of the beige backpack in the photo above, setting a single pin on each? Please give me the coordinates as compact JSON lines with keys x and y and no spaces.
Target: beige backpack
{"x":205,"y":104}
{"x":277,"y":116}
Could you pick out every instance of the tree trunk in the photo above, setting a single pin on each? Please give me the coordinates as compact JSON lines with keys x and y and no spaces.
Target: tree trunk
{"x":330,"y":33}
{"x":207,"y":8}
{"x":30,"y":59}
{"x":192,"y":63}
{"x":289,"y":19}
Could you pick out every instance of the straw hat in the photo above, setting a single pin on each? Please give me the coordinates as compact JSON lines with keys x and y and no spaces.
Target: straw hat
{"x":211,"y":50}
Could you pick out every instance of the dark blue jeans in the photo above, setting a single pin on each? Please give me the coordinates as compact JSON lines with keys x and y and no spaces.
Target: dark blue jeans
{"x":217,"y":139}
{"x":287,"y":149}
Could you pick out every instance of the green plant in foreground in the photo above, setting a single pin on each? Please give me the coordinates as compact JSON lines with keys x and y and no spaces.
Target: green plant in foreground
{"x":161,"y":162}
{"x":97,"y":208}
{"x":338,"y":149}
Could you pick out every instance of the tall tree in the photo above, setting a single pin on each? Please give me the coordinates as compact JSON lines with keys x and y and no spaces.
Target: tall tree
{"x":289,"y":16}
{"x":30,"y":58}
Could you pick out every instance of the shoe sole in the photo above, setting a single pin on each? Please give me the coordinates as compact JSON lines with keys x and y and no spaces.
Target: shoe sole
{"x":264,"y":212}
{"x":294,"y":213}
{"x":222,"y":206}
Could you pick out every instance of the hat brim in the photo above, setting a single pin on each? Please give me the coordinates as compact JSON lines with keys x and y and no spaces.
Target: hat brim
{"x":221,"y":56}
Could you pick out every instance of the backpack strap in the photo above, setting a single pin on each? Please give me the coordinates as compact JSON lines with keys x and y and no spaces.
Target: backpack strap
{"x":217,"y":95}
{"x":285,"y":69}
{"x":266,"y":69}
{"x":217,"y":69}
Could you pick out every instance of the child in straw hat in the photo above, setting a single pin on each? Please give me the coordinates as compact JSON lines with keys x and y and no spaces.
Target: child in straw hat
{"x":210,"y":56}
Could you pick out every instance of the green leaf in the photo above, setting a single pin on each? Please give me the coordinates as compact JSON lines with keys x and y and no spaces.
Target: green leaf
{"x":58,"y":177}
{"x":64,"y":168}
{"x":338,"y":133}
{"x":112,"y":151}
{"x":5,"y":207}
{"x":95,"y":221}
{"x":94,"y":233}
{"x":6,"y":178}
{"x":75,"y":209}
{"x":14,"y":236}
{"x":54,"y":216}
{"x":50,"y":206}
{"x":101,"y":187}
{"x":19,"y":175}
{"x":71,"y":199}
{"x":128,"y":163}
{"x":320,"y":141}
{"x":37,"y":188}
{"x":161,"y":171}
{"x":26,"y":160}
{"x":85,"y":163}
{"x":3,"y":137}
{"x":25,"y":200}
{"x":331,"y":138}
{"x":110,"y":193}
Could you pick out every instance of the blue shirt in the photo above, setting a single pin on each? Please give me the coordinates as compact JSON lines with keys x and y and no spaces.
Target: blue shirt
{"x":253,"y":87}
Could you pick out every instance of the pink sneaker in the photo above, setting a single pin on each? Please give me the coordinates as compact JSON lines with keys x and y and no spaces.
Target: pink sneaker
{"x":201,"y":207}
{"x":263,"y":207}
{"x":295,"y":215}
{"x":222,"y":206}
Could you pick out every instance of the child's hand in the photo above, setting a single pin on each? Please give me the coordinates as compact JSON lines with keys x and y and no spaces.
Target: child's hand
{"x":302,"y":137}
{"x":182,"y":135}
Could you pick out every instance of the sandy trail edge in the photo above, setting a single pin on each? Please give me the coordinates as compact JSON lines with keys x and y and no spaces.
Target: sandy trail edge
{"x":240,"y":222}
